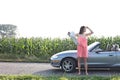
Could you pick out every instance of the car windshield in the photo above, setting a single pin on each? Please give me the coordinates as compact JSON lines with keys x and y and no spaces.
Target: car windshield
{"x":92,"y":45}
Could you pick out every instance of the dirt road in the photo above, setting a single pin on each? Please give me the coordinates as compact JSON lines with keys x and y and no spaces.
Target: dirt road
{"x":45,"y":69}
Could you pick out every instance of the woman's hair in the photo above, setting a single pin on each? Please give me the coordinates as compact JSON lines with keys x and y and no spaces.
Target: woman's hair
{"x":82,"y":30}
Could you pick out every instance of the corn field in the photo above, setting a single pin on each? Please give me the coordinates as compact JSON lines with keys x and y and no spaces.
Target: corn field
{"x":34,"y":46}
{"x":46,"y":46}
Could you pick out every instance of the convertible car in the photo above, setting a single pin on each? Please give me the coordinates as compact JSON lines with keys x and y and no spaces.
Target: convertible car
{"x":98,"y":58}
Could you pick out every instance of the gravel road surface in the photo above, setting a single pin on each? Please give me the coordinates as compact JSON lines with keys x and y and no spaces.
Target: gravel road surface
{"x":45,"y":69}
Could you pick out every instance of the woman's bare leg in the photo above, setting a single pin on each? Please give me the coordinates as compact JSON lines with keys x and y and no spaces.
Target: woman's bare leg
{"x":86,"y":66}
{"x":79,"y":65}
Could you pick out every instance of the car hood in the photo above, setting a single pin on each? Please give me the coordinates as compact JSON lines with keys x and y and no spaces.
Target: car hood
{"x":68,"y":51}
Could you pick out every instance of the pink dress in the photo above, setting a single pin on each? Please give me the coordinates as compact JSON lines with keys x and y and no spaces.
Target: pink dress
{"x":82,"y":47}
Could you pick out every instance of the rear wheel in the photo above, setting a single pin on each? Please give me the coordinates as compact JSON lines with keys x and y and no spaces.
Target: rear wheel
{"x":68,"y":65}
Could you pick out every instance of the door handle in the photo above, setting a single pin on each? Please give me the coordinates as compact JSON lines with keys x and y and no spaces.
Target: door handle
{"x":111,"y":55}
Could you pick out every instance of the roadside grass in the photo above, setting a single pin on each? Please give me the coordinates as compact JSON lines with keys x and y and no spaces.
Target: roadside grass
{"x":35,"y":77}
{"x":23,"y":58}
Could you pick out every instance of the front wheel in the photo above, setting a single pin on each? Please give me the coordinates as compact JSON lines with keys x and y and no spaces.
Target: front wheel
{"x":68,"y":65}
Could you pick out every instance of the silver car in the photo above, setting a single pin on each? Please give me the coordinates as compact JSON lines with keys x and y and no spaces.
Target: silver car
{"x":98,"y":58}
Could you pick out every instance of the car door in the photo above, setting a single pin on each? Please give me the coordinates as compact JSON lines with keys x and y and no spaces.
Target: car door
{"x":102,"y":58}
{"x":117,"y":64}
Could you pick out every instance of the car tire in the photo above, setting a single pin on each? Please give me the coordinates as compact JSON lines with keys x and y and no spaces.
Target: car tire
{"x":68,"y":65}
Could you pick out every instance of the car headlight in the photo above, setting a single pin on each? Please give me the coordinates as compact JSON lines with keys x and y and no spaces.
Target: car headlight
{"x":55,"y":56}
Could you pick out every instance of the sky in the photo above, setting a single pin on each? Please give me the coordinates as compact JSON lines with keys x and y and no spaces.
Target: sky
{"x":54,"y":18}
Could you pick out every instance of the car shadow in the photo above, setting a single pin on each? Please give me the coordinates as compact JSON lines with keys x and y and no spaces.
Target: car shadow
{"x":51,"y":72}
{"x":93,"y":72}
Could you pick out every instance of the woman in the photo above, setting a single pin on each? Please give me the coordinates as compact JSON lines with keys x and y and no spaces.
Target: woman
{"x":82,"y":51}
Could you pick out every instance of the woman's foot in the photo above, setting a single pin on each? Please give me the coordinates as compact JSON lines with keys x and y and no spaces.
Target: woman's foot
{"x":79,"y":73}
{"x":86,"y":73}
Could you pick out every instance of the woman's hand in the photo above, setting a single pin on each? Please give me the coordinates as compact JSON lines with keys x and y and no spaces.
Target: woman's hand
{"x":91,"y":32}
